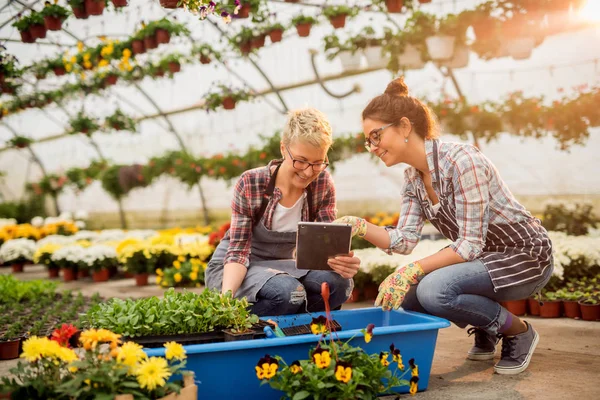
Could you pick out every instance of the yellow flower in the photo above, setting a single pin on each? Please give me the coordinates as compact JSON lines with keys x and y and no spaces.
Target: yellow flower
{"x":414,"y":384}
{"x":159,"y":272}
{"x":87,"y":64}
{"x":174,"y":351}
{"x":87,"y":56}
{"x":181,"y":258}
{"x":266,"y":368}
{"x":91,"y":337}
{"x":383,"y":358}
{"x":65,"y":354}
{"x":80,"y":46}
{"x":193,"y":275}
{"x":177,"y":264}
{"x":369,"y":333}
{"x":153,"y":373}
{"x":295,"y":368}
{"x":103,"y":63}
{"x":34,"y":348}
{"x":73,"y":60}
{"x":158,"y":279}
{"x":177,"y":277}
{"x":322,"y":358}
{"x":130,"y":354}
{"x":68,"y":67}
{"x":126,"y":53}
{"x":82,"y":76}
{"x":343,"y":372}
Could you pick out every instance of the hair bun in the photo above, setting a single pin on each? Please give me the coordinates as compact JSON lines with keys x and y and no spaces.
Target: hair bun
{"x":397,"y":87}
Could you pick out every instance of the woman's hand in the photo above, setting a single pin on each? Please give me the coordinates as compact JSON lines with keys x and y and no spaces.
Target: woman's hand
{"x":359,"y":225}
{"x":347,"y":266}
{"x":394,"y":288}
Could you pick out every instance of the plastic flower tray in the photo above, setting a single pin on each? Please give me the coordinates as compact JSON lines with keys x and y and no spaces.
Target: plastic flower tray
{"x":226,"y":370}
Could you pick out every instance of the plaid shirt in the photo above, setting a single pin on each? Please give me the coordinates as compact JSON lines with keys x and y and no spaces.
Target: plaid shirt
{"x":474,"y":190}
{"x":247,"y":198}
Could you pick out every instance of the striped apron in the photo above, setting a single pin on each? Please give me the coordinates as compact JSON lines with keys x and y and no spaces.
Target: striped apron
{"x":513,"y":254}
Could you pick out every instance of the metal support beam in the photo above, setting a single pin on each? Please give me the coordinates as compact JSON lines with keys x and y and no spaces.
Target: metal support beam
{"x":355,"y":88}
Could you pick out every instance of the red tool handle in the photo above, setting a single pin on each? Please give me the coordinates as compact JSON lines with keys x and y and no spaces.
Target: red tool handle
{"x":325,"y":295}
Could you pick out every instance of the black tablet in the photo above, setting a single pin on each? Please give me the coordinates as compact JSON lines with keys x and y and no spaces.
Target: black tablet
{"x":316,"y":242}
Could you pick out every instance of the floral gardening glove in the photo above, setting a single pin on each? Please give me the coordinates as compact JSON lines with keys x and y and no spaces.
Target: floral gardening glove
{"x":359,"y":225}
{"x":393,"y":289}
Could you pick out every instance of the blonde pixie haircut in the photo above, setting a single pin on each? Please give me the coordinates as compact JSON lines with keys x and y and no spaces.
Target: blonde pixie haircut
{"x":307,"y":125}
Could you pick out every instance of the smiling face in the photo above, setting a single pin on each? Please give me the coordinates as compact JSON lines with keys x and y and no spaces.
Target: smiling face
{"x":387,"y":141}
{"x":299,"y":172}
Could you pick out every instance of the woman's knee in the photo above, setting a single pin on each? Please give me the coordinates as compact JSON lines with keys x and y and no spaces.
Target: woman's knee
{"x":283,"y":291}
{"x":435,"y":292}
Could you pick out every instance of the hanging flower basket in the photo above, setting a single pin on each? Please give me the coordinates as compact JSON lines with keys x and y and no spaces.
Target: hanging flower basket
{"x":150,"y":42}
{"x":94,"y":7}
{"x":80,"y":12}
{"x":119,"y":3}
{"x":174,"y":67}
{"x":205,"y":59}
{"x":38,"y":31}
{"x":440,"y":47}
{"x":374,"y":57}
{"x":245,"y":47}
{"x":170,"y":4}
{"x":521,"y":48}
{"x":137,"y":47}
{"x":162,"y":36}
{"x":111,"y":80}
{"x":228,"y":103}
{"x":159,"y":73}
{"x":244,"y":11}
{"x":411,"y":58}
{"x":394,"y":6}
{"x":303,"y":29}
{"x":276,"y":35}
{"x":350,"y":62}
{"x":460,"y":58}
{"x":339,"y":21}
{"x":52,"y":23}
{"x":59,"y":71}
{"x":257,"y":42}
{"x":26,"y":37}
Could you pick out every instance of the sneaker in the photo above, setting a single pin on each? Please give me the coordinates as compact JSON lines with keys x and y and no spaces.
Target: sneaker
{"x":485,"y":345}
{"x":517,"y":351}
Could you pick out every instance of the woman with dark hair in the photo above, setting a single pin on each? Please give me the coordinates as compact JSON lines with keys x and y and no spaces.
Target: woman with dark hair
{"x":499,"y":252}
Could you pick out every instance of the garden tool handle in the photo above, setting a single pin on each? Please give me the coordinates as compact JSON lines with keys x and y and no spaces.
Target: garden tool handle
{"x":325,"y":295}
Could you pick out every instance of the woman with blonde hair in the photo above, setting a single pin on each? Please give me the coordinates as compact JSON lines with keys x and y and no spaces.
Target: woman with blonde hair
{"x":255,"y":258}
{"x":499,"y":251}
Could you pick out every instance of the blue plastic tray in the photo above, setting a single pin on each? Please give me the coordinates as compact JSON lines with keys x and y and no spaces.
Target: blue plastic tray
{"x":225,"y":371}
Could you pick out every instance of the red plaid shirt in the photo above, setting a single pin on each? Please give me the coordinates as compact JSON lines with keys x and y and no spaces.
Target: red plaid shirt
{"x":247,"y":198}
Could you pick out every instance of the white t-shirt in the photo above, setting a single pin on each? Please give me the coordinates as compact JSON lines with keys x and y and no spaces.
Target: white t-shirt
{"x":436,"y":208}
{"x":286,"y":219}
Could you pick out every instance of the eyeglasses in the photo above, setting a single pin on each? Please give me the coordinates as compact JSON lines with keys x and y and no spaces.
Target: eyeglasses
{"x":303,"y":165}
{"x":374,"y":137}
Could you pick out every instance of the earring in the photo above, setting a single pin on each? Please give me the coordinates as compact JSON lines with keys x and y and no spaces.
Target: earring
{"x":406,"y":139}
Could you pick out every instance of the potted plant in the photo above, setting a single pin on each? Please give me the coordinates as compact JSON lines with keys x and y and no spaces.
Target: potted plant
{"x":205,"y":52}
{"x":303,"y":24}
{"x":337,"y":15}
{"x":448,"y":32}
{"x":172,"y":63}
{"x":78,"y":7}
{"x":57,"y":66}
{"x":83,"y":124}
{"x":570,"y":302}
{"x":120,"y":122}
{"x":20,"y":142}
{"x":54,"y":16}
{"x":43,"y":256}
{"x":120,"y":3}
{"x":95,"y":7}
{"x":590,"y":308}
{"x":171,"y":3}
{"x":347,"y":52}
{"x":181,"y":273}
{"x":138,"y":261}
{"x":68,"y":259}
{"x":17,"y":252}
{"x":242,"y":320}
{"x":275,"y":32}
{"x":392,"y":6}
{"x":36,"y":25}
{"x":551,"y":305}
{"x":243,"y":40}
{"x":515,"y":307}
{"x":10,"y":340}
{"x":22,"y":24}
{"x":8,"y":67}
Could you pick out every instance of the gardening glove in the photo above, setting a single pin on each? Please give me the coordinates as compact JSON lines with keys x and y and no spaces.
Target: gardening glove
{"x":359,"y":225}
{"x":393,"y":289}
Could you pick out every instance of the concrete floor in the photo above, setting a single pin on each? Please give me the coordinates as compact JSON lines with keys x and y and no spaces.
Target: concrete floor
{"x":566,"y":362}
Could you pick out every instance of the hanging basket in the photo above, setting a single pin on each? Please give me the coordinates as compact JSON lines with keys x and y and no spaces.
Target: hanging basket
{"x":411,"y":58}
{"x":276,"y":35}
{"x":521,"y":48}
{"x":350,"y":62}
{"x":374,"y":57}
{"x":205,"y":59}
{"x":52,"y":23}
{"x":59,"y":71}
{"x":170,"y":4}
{"x":111,"y":80}
{"x":137,"y":47}
{"x":228,"y":103}
{"x":174,"y":67}
{"x":460,"y":58}
{"x":80,"y":12}
{"x":339,"y":21}
{"x":303,"y":29}
{"x":257,"y":42}
{"x":93,"y":7}
{"x":119,"y":3}
{"x":394,"y":6}
{"x":245,"y":48}
{"x":26,"y":37}
{"x":162,"y":36}
{"x":150,"y":42}
{"x":38,"y":31}
{"x":440,"y":47}
{"x":244,"y":11}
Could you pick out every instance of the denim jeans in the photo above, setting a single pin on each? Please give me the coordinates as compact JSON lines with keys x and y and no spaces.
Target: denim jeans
{"x":464,"y":294}
{"x":283,"y":294}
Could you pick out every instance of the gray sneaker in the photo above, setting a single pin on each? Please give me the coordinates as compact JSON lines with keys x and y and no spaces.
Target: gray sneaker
{"x":517,"y":351}
{"x":485,"y":345}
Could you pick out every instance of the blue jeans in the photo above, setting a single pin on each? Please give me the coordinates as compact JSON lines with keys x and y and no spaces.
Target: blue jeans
{"x":283,"y":294}
{"x":464,"y":294}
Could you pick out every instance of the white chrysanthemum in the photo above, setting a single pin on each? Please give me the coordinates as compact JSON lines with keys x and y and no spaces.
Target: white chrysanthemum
{"x":56,"y":239}
{"x":7,"y":221}
{"x":17,"y":248}
{"x":72,"y":253}
{"x":97,"y":253}
{"x":37,"y":221}
{"x":81,"y":215}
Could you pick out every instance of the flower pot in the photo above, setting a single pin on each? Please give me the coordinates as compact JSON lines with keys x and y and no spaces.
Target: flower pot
{"x":374,"y":57}
{"x":204,"y":59}
{"x":244,"y":11}
{"x":350,"y":62}
{"x":257,"y":42}
{"x":411,"y":58}
{"x":174,"y":67}
{"x":9,"y":349}
{"x":80,"y":12}
{"x":150,"y":42}
{"x":228,"y":103}
{"x":303,"y":29}
{"x":159,"y":73}
{"x":83,"y":273}
{"x":162,"y":36}
{"x":394,"y":6}
{"x":276,"y":35}
{"x":53,"y":272}
{"x":484,"y":29}
{"x":69,"y":274}
{"x":440,"y":47}
{"x":26,"y":37}
{"x":572,"y":309}
{"x":170,"y":4}
{"x":93,"y":7}
{"x":424,"y":1}
{"x":339,"y":21}
{"x":520,"y":48}
{"x":59,"y":71}
{"x":111,"y":80}
{"x":137,"y":47}
{"x":119,"y":3}
{"x":101,"y":275}
{"x":590,"y":312}
{"x":52,"y":23}
{"x":550,"y":309}
{"x":17,"y":268}
{"x":515,"y":307}
{"x":38,"y":31}
{"x":460,"y":58}
{"x":370,"y":291}
{"x":141,"y":279}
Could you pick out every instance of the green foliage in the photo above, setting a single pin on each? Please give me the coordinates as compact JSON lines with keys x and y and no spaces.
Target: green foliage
{"x":55,"y":10}
{"x":15,"y":291}
{"x":83,"y":124}
{"x":215,"y":98}
{"x":120,"y":122}
{"x":334,"y":11}
{"x":303,"y":19}
{"x":23,"y":211}
{"x":573,"y":218}
{"x":22,"y":23}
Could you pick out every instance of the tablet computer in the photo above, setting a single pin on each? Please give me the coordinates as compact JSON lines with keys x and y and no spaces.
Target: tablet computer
{"x":316,"y":242}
